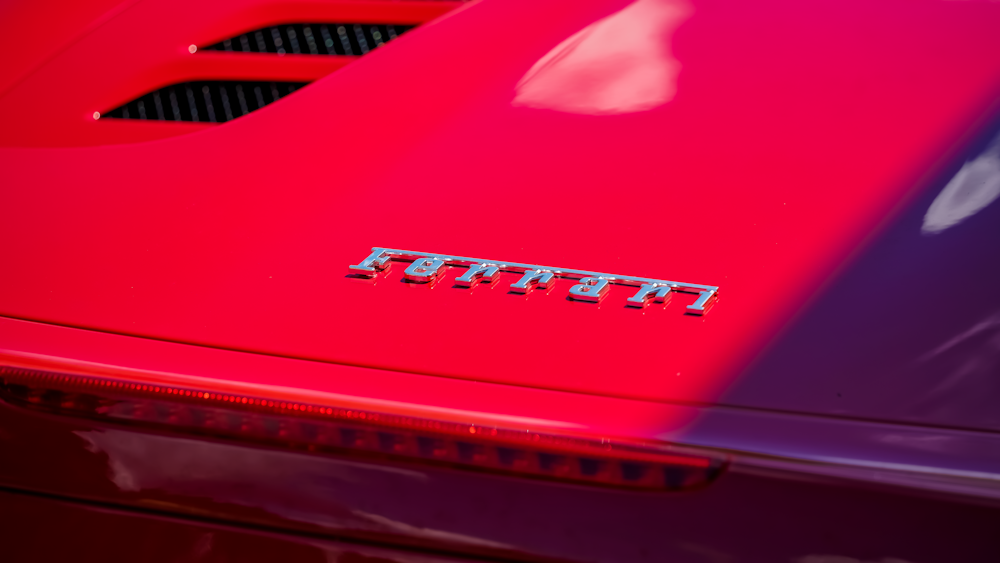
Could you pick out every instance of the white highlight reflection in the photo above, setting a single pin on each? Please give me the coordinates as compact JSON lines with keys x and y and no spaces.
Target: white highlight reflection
{"x":620,"y":64}
{"x":974,"y":187}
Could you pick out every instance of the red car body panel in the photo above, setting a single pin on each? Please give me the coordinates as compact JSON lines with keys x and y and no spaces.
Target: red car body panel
{"x":783,"y":153}
{"x":239,"y":237}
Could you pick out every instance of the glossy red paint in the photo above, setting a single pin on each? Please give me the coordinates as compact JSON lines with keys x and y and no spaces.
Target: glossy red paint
{"x":59,"y":23}
{"x":760,"y":148}
{"x":782,"y":146}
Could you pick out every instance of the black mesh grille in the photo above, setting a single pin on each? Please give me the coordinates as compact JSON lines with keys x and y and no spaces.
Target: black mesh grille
{"x":220,"y":101}
{"x":212,"y":101}
{"x":313,"y":39}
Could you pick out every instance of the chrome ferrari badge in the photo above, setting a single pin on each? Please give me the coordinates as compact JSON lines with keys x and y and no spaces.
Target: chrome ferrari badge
{"x":425,"y":267}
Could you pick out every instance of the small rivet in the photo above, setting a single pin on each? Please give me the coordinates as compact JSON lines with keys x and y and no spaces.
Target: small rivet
{"x":192,"y":49}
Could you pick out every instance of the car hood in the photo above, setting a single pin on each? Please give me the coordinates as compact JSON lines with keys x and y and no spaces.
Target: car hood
{"x":750,"y":147}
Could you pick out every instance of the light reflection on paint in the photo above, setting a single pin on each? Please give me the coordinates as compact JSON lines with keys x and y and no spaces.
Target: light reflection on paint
{"x":620,"y":64}
{"x":236,"y":475}
{"x":974,"y":187}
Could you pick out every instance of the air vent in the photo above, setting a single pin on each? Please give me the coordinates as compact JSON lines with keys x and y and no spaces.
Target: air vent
{"x":212,"y":102}
{"x":220,"y":101}
{"x":313,"y":39}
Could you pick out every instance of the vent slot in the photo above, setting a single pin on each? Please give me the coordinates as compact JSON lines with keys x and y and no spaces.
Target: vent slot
{"x":313,"y":39}
{"x":214,"y":101}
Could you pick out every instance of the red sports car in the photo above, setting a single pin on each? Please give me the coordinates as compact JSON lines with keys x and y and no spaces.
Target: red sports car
{"x":506,"y":280}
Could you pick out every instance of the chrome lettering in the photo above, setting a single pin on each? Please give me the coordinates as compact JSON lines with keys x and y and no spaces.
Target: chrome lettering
{"x":589,"y":286}
{"x":649,"y":291}
{"x":589,"y":289}
{"x":541,"y":278}
{"x":704,"y":302}
{"x":423,"y":270}
{"x":377,"y":261}
{"x":486,"y":272}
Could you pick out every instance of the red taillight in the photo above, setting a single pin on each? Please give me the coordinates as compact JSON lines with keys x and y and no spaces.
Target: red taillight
{"x":329,"y":429}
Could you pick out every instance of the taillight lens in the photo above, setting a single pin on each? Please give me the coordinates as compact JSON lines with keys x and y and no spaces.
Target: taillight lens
{"x":342,"y":431}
